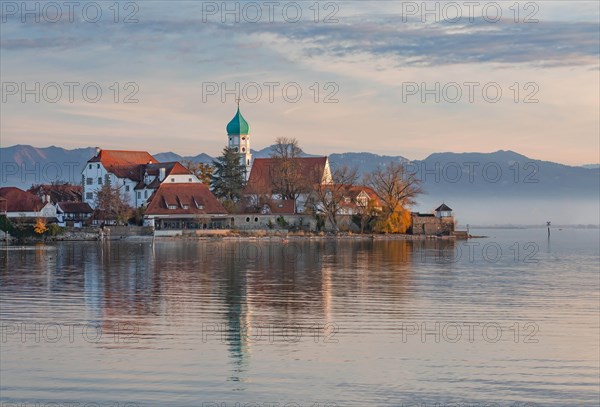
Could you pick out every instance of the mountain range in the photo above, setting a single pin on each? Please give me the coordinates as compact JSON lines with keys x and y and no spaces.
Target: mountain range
{"x":501,"y":187}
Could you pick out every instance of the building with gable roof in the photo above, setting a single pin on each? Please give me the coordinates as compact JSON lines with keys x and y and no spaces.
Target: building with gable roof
{"x":16,"y":203}
{"x":181,"y":206}
{"x":137,"y":174}
{"x":263,"y":179}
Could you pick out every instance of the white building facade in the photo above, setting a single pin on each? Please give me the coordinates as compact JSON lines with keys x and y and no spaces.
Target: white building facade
{"x":136,"y":174}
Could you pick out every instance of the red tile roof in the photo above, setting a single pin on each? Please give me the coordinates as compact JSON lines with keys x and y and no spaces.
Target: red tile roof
{"x":18,"y":200}
{"x":58,"y":193}
{"x":196,"y":196}
{"x":124,"y":163}
{"x":117,"y":158}
{"x":355,"y":190}
{"x":136,"y":172}
{"x":261,"y":175}
{"x":179,"y":169}
{"x":282,"y":207}
{"x":74,"y":207}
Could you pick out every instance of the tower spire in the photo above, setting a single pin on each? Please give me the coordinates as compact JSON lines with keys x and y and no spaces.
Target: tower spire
{"x":238,"y":132}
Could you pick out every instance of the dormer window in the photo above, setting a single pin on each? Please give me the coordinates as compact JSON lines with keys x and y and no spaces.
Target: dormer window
{"x":185,"y":206}
{"x":199,"y":205}
{"x":172,"y":206}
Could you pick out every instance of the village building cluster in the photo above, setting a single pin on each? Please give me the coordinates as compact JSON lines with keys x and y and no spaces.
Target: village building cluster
{"x":174,"y":200}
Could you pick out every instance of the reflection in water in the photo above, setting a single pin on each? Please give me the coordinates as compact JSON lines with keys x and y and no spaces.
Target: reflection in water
{"x":215,"y":318}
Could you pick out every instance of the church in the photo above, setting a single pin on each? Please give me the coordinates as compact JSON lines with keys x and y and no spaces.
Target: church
{"x":260,"y":172}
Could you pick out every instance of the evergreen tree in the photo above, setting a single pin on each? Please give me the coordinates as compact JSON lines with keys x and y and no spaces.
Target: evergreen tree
{"x":227,"y":179}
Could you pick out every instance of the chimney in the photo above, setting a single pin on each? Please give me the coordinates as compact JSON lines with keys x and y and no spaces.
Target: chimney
{"x":161,"y":174}
{"x":97,"y":151}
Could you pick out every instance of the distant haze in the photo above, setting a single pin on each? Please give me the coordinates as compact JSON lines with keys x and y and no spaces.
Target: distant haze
{"x":500,"y":188}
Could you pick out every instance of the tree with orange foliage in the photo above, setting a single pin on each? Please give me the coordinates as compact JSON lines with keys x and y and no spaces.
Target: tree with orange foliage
{"x":40,"y":226}
{"x":397,"y":189}
{"x":395,"y":222}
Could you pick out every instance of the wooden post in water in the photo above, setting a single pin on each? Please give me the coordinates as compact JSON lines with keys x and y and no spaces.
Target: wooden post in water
{"x":548,"y":224}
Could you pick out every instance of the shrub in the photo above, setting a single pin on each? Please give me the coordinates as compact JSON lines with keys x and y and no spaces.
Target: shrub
{"x":6,"y":225}
{"x":282,"y":222}
{"x":55,"y":230}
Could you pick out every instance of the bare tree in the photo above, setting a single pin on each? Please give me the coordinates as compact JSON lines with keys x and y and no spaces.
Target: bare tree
{"x":327,"y":197}
{"x":113,"y":204}
{"x":367,"y":213}
{"x":286,"y":148}
{"x":287,"y":178}
{"x":397,"y":190}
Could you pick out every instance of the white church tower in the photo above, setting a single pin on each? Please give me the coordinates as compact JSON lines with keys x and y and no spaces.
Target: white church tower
{"x":238,"y":132}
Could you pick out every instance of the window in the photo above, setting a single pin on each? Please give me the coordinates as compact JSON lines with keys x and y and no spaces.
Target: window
{"x":145,"y":193}
{"x":126,"y":188}
{"x":256,"y":219}
{"x":97,"y":165}
{"x":90,"y":167}
{"x":247,"y":219}
{"x":89,"y":181}
{"x":89,"y":195}
{"x":186,"y":206}
{"x":189,"y":180}
{"x":172,"y":179}
{"x":172,"y":206}
{"x":243,"y":149}
{"x":139,"y":195}
{"x":99,"y":180}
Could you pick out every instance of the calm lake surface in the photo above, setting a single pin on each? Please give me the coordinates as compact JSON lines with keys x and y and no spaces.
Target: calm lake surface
{"x":510,"y":319}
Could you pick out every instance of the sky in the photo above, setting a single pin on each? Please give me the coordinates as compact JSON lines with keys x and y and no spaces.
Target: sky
{"x":388,"y":77}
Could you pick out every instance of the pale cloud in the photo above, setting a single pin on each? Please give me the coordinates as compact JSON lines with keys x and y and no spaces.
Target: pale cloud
{"x":369,"y":54}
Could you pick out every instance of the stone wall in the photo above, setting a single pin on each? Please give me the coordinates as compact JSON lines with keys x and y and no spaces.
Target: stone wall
{"x":258,"y":221}
{"x":432,"y":225}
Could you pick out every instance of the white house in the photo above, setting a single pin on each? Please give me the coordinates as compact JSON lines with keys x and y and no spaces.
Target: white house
{"x":74,"y":214}
{"x":136,"y":173}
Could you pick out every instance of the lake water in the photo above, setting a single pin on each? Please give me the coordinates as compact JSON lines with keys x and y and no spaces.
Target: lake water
{"x":506,"y":320}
